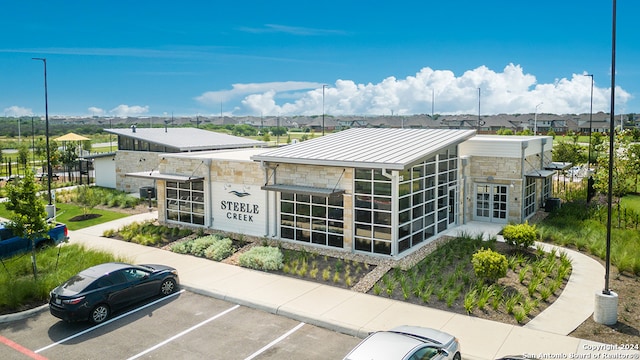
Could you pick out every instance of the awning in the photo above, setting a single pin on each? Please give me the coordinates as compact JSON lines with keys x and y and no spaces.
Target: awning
{"x":558,"y":165}
{"x":72,"y":137}
{"x":156,"y":175}
{"x":543,"y":174}
{"x":305,"y":190}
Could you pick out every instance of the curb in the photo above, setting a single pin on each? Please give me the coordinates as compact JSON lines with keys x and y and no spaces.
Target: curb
{"x":23,"y":314}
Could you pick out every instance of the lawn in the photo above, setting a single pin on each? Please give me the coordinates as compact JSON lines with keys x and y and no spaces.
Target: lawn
{"x":66,"y":212}
{"x":631,"y":201}
{"x":55,"y":265}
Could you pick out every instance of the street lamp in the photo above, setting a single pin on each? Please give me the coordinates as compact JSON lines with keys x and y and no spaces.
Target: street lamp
{"x":606,"y":304}
{"x":590,"y":129}
{"x":323,"y":86}
{"x":50,"y":207}
{"x":535,"y":120}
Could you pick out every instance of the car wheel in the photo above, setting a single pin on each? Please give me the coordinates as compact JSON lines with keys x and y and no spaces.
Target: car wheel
{"x":99,"y":314}
{"x":168,"y":286}
{"x":456,"y":356}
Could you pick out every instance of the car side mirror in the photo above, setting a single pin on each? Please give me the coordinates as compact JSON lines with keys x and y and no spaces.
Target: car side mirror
{"x":444,"y":352}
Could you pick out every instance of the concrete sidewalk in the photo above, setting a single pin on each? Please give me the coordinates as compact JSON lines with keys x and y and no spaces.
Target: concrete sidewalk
{"x":358,"y":314}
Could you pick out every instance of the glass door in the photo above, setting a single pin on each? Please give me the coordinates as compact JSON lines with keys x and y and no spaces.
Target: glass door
{"x":491,"y":203}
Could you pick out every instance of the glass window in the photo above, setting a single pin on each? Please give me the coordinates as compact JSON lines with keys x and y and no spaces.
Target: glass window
{"x":184,"y":202}
{"x":314,"y":219}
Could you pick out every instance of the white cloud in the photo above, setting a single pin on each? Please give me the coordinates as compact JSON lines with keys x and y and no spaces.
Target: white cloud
{"x":96,"y":111}
{"x":17,"y":111}
{"x":238,"y":90}
{"x":510,"y":91}
{"x":126,"y":110}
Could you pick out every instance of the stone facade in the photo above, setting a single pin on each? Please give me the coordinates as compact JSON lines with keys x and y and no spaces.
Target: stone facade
{"x":134,"y":161}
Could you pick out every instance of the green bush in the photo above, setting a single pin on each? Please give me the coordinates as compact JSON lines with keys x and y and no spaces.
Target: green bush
{"x":520,"y":235}
{"x":199,"y":245}
{"x":262,"y":258}
{"x":219,"y":250}
{"x":183,"y":247}
{"x":489,"y":265}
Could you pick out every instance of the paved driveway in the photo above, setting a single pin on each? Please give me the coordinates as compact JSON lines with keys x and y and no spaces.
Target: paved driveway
{"x":184,"y":326}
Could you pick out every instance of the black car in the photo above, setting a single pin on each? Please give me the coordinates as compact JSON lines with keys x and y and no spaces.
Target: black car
{"x":94,"y":293}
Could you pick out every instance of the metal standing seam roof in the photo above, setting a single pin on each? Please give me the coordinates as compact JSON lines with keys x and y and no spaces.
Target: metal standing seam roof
{"x":383,"y":148}
{"x":187,"y":139}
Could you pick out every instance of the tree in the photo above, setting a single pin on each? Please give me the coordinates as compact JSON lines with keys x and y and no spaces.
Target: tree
{"x":69,"y":158}
{"x":569,"y":152}
{"x":621,"y":169}
{"x":41,"y":151}
{"x":87,"y":197}
{"x":86,"y":146}
{"x":278,"y":130}
{"x":28,"y":213}
{"x":23,"y":155}
{"x":634,"y":163}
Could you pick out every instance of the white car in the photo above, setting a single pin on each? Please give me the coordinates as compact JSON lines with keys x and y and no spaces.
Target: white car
{"x":407,"y":343}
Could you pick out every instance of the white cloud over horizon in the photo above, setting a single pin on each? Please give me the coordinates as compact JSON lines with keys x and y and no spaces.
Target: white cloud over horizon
{"x":510,"y":91}
{"x":17,"y":111}
{"x":123,"y":110}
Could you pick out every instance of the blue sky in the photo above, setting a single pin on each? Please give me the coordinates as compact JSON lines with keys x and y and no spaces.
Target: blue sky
{"x":155,"y":58}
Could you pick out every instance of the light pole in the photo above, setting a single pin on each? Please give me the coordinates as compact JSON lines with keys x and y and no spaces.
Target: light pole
{"x":323,"y":86}
{"x":535,"y":120}
{"x":590,"y":129}
{"x":50,"y":208}
{"x":33,"y":144}
{"x":606,"y":304}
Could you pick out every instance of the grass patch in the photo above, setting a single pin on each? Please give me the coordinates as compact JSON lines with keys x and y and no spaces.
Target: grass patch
{"x":65,"y":212}
{"x":55,"y":265}
{"x":148,"y":233}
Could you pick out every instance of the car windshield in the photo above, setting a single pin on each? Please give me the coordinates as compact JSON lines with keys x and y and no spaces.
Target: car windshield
{"x":78,"y":282}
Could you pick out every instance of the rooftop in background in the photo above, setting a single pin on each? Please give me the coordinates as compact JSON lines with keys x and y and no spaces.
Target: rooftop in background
{"x":186,"y":139}
{"x":380,"y":148}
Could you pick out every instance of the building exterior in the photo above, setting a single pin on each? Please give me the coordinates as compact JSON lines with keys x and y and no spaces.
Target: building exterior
{"x":384,"y":192}
{"x":139,"y":149}
{"x":505,"y":178}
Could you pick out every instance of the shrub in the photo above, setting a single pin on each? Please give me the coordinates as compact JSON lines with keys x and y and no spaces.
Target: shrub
{"x":520,"y":235}
{"x":470,"y":300}
{"x":489,"y":265}
{"x":262,"y":258}
{"x":199,"y":245}
{"x":219,"y":250}
{"x":183,"y":247}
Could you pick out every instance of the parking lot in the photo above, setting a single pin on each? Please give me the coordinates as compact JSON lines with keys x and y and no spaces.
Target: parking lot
{"x":182,"y":326}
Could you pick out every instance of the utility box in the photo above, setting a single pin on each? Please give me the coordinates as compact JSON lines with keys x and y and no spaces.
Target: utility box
{"x":552,"y":204}
{"x":147,"y":192}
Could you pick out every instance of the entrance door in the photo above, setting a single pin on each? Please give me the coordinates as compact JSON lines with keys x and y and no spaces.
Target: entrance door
{"x":491,"y":203}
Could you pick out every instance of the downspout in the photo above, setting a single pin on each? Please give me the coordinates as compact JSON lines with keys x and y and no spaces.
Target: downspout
{"x":210,"y":191}
{"x":265,"y":167}
{"x":523,"y":180}
{"x":543,"y":142}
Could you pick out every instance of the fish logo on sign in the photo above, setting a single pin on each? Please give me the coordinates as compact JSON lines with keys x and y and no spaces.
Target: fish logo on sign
{"x":239,"y":194}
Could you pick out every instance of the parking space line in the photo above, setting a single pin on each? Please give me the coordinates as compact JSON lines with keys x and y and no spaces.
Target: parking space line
{"x":107,"y":322}
{"x":183,"y":332}
{"x":21,"y":349}
{"x":269,"y":345}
